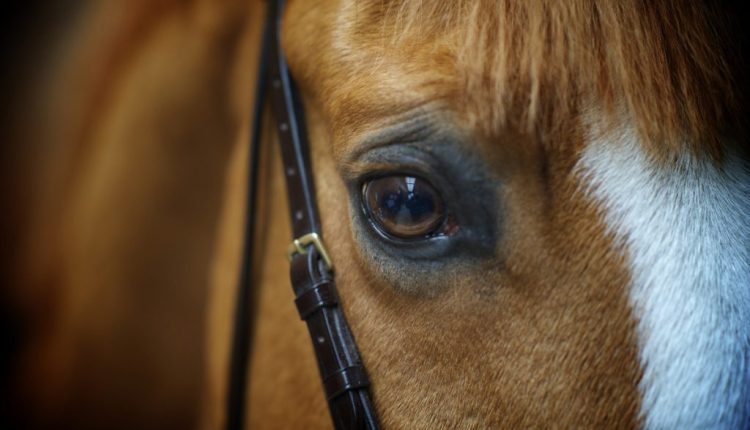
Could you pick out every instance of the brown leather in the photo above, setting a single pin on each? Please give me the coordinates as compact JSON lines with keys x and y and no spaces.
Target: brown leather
{"x":244,"y":305}
{"x":319,"y":295}
{"x":341,"y":369}
{"x":342,"y":372}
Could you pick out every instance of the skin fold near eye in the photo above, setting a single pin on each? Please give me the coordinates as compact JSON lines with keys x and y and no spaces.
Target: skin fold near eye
{"x":403,"y":206}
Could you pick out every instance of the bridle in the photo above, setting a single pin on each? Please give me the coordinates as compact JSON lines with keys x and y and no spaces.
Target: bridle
{"x":344,"y":378}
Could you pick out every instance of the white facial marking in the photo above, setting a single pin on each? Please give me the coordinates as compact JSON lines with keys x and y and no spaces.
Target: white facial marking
{"x":686,"y":231}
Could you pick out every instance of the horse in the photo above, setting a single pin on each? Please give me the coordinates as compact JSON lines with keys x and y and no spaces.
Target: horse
{"x":578,"y":254}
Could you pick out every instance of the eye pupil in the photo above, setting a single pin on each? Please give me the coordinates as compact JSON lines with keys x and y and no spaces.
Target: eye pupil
{"x":392,"y":202}
{"x":418,"y":205}
{"x":403,"y":206}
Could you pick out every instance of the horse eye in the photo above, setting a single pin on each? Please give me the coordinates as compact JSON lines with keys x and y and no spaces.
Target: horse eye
{"x":406,"y":207}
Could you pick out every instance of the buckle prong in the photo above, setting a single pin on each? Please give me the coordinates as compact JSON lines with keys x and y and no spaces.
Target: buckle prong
{"x":298,"y":246}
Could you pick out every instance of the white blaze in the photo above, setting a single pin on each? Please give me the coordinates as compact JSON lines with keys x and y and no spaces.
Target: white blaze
{"x":685,"y":228}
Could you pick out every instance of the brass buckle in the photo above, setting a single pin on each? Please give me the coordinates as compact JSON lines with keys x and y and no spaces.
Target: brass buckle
{"x":298,"y":246}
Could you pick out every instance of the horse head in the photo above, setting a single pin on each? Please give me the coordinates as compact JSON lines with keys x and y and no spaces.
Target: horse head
{"x":538,"y":214}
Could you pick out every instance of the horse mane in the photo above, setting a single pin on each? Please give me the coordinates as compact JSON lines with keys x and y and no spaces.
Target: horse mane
{"x":671,"y":67}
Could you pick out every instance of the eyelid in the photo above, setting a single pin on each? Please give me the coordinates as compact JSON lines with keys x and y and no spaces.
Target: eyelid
{"x":379,"y":164}
{"x":419,"y":123}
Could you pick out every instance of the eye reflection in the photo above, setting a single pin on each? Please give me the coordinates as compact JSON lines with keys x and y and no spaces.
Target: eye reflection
{"x":404,"y":206}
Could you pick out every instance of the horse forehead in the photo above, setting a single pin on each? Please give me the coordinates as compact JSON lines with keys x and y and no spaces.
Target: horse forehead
{"x":358,"y":80}
{"x":360,"y":76}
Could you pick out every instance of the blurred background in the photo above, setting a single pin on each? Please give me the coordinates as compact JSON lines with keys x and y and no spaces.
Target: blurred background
{"x":117,"y":125}
{"x":30,"y":31}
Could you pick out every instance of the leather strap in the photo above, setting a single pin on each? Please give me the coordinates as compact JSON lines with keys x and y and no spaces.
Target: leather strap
{"x":342,"y":372}
{"x":344,"y":379}
{"x":318,"y":296}
{"x":244,"y":303}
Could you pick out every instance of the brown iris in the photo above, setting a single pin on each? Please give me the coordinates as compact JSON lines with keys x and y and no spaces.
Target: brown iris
{"x":404,"y":206}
